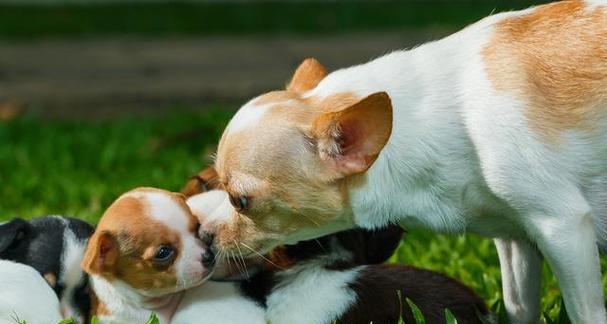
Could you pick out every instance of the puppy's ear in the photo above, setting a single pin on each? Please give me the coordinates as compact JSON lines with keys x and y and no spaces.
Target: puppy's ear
{"x":101,"y":254}
{"x":381,"y":244}
{"x":307,"y":76}
{"x":204,"y":181}
{"x":12,"y":232}
{"x":350,"y":140}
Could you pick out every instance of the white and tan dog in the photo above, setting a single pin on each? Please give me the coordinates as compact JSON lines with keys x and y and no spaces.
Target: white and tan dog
{"x":143,"y":255}
{"x":499,"y":129}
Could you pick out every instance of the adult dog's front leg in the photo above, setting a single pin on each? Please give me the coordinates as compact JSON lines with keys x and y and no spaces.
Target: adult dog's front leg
{"x":521,"y":266}
{"x":568,"y":243}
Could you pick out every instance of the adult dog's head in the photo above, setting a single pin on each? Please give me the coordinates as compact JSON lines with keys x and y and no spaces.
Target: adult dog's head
{"x":287,"y":158}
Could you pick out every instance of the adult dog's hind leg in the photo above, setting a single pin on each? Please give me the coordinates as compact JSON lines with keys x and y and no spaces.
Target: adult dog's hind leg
{"x":521,"y":266}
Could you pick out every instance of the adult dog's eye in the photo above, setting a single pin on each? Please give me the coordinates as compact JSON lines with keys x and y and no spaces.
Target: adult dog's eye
{"x":164,"y":254}
{"x":240,"y":202}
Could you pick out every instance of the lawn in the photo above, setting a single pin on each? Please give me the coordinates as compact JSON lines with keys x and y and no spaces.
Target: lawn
{"x":78,"y":167}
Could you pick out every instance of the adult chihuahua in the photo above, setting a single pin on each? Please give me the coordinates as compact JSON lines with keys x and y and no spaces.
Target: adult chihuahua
{"x":499,"y":129}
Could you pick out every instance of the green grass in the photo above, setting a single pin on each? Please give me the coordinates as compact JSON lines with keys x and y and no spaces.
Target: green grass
{"x":22,"y":22}
{"x":79,"y":167}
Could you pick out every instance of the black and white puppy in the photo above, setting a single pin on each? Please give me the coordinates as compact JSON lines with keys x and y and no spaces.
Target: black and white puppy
{"x":54,"y":246}
{"x":340,"y":278}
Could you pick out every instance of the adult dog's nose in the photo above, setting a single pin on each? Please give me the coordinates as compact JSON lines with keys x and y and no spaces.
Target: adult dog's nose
{"x":208,"y":258}
{"x":206,"y":237}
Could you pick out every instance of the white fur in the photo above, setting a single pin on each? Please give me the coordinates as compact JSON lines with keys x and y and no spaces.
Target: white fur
{"x":212,"y":208}
{"x":463,"y":157}
{"x":247,"y":116}
{"x":211,"y":205}
{"x":521,"y":267}
{"x":218,"y":303}
{"x":593,"y":4}
{"x":165,"y":210}
{"x":126,"y":306}
{"x":71,"y":274}
{"x":26,"y":296}
{"x":311,"y":295}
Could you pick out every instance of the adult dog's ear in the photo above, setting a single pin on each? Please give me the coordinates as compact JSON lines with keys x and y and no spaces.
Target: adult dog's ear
{"x":307,"y":76}
{"x":381,"y":244}
{"x":11,"y":232}
{"x":349,"y":140}
{"x":101,"y":254}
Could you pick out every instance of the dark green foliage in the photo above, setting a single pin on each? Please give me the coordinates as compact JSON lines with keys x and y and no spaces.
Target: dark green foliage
{"x":246,"y":17}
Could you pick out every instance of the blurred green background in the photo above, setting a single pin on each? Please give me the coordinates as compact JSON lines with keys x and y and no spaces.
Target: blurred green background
{"x":98,"y":97}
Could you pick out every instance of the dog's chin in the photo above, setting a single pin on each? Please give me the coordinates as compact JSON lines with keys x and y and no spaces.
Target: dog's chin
{"x":236,"y":270}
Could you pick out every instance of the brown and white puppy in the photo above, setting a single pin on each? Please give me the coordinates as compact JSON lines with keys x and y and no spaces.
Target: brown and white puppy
{"x":144,"y":253}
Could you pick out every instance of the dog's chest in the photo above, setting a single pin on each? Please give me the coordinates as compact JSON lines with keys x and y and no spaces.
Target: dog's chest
{"x":451,"y":199}
{"x":458,"y":209}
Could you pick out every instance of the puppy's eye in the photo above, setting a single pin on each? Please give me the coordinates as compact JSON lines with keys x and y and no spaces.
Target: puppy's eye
{"x":240,"y":202}
{"x":164,"y":254}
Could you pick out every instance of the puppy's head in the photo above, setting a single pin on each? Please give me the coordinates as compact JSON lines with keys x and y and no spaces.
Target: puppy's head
{"x":147,"y":241}
{"x":286,"y":157}
{"x":54,"y":246}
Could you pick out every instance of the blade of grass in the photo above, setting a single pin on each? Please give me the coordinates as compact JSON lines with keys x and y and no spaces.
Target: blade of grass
{"x":449,"y":317}
{"x":417,"y":314}
{"x":153,"y":319}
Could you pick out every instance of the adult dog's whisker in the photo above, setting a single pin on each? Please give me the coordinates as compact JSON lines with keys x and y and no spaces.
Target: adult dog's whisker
{"x":244,"y":263}
{"x":263,"y":257}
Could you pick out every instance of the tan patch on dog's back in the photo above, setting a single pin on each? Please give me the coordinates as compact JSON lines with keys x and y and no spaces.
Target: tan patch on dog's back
{"x":556,"y":58}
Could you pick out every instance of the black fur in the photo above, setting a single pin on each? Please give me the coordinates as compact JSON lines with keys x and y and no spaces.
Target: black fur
{"x":377,"y":284}
{"x":355,"y":247}
{"x":39,"y":243}
{"x":378,"y":288}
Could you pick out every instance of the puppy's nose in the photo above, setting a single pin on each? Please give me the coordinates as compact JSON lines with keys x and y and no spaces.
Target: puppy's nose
{"x":207,"y":237}
{"x":208,"y":258}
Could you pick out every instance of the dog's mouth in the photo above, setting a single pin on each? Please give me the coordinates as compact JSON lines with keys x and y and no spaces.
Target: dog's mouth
{"x":246,"y":250}
{"x":241,"y":260}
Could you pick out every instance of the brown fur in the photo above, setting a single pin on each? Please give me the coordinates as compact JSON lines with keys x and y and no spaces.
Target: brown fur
{"x":333,"y":103}
{"x":556,"y":59}
{"x":133,"y":238}
{"x":328,"y":127}
{"x":98,"y":308}
{"x":205,"y":180}
{"x":276,"y":97}
{"x":51,"y":279}
{"x":307,"y":76}
{"x":369,"y":119}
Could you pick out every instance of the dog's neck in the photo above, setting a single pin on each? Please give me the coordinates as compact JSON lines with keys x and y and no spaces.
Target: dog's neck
{"x":410,"y":183}
{"x":116,"y":303}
